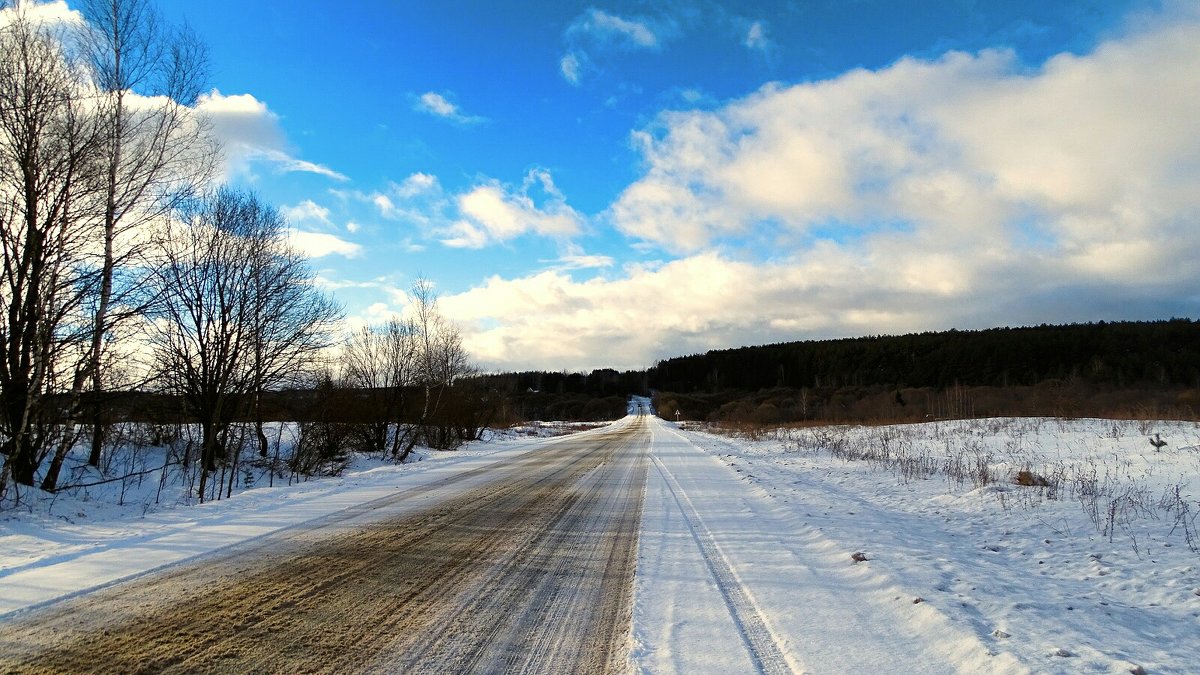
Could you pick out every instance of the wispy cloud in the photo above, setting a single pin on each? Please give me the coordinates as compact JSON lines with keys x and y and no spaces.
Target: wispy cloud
{"x":486,"y":213}
{"x":249,"y":133}
{"x":757,"y":39}
{"x":595,"y":32}
{"x":573,"y":258}
{"x":580,"y":261}
{"x":418,"y":198}
{"x":439,"y":105}
{"x":286,"y":163}
{"x":572,"y":65}
{"x":603,"y":28}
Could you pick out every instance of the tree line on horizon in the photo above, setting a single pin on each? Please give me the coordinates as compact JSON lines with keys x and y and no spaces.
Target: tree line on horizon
{"x":1124,"y":353}
{"x":1101,"y":368}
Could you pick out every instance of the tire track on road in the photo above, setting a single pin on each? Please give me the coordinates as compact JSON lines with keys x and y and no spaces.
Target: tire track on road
{"x":760,"y":639}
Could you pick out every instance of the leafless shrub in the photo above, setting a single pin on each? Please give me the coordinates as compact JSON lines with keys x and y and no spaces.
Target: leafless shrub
{"x":1175,"y":504}
{"x":982,"y":473}
{"x":322,"y":449}
{"x":1126,"y":504}
{"x":920,"y":466}
{"x":1086,"y":488}
{"x":831,"y":439}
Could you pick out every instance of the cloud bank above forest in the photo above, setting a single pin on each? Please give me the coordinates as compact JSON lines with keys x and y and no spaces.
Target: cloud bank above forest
{"x":963,"y":191}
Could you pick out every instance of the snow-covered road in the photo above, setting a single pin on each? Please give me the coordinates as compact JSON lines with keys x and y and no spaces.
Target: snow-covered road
{"x":729,"y":582}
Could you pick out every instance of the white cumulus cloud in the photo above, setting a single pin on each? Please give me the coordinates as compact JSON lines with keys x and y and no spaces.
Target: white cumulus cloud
{"x":416,"y":184}
{"x":249,"y":132}
{"x":969,"y":150}
{"x":307,"y":211}
{"x":965,"y":191}
{"x":56,"y":13}
{"x":491,"y":212}
{"x":320,"y":244}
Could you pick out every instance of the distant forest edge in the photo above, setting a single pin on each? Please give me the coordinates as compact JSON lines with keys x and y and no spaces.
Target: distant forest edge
{"x":1123,"y":369}
{"x":1118,"y":369}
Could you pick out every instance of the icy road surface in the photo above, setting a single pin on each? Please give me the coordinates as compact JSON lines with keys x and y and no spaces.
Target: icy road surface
{"x":522,"y":565}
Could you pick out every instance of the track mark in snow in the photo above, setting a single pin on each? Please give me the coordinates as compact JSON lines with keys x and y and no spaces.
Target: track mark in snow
{"x":760,"y":639}
{"x":853,"y":619}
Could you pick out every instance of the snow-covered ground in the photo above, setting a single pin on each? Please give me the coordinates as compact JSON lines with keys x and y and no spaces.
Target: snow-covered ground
{"x":746,"y":557}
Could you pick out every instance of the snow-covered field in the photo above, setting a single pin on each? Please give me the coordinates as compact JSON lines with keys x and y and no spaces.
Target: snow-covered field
{"x":745,"y":558}
{"x":1099,"y":571}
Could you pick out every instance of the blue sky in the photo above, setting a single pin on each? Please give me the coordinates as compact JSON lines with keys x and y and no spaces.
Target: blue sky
{"x":610,"y":183}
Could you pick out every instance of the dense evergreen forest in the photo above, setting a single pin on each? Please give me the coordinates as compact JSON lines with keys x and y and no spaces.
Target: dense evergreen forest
{"x":1104,"y":369}
{"x":1160,"y":353}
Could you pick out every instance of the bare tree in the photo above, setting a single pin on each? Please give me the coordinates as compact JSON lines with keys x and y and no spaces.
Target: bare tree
{"x":237,"y":312}
{"x":156,"y":152}
{"x":49,"y":184}
{"x":406,"y":377}
{"x":127,"y":83}
{"x":442,"y":363}
{"x":380,"y":363}
{"x":292,"y":322}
